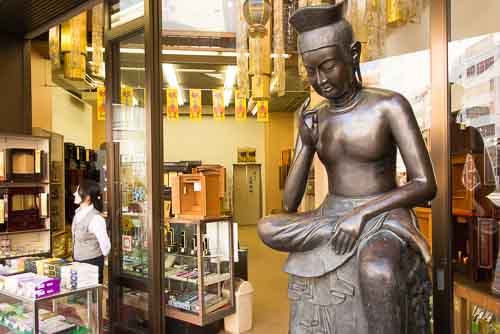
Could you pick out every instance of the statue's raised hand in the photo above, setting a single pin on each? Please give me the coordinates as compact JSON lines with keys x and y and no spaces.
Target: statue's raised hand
{"x":347,"y":232}
{"x":308,"y":124}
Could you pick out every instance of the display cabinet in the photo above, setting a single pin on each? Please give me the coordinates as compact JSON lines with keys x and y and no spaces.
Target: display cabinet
{"x":199,"y":267}
{"x":25,"y":221}
{"x":58,"y":313}
{"x":57,"y":198}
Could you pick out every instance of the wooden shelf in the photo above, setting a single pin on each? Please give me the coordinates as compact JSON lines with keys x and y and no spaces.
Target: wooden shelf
{"x":22,"y":255}
{"x":477,"y":293}
{"x":58,"y":233}
{"x":26,"y":231}
{"x":23,"y":184}
{"x":210,"y":279}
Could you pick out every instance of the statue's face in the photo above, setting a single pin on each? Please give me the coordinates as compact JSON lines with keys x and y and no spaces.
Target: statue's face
{"x":329,"y":72}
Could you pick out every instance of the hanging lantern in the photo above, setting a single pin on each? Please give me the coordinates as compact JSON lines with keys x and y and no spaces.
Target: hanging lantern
{"x":54,"y":47}
{"x":242,"y":53}
{"x":97,"y":34}
{"x":279,"y":49}
{"x":74,"y":46}
{"x":257,"y":14}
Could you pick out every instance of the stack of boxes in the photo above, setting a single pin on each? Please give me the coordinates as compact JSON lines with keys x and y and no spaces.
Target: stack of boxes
{"x":79,"y":275}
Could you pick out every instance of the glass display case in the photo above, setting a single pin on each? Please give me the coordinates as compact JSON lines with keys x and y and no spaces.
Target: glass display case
{"x":69,"y":311}
{"x":199,"y":261}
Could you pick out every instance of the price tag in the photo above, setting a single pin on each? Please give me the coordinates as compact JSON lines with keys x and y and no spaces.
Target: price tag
{"x":2,"y":166}
{"x":197,"y":186}
{"x":38,"y":164}
{"x":2,"y":211}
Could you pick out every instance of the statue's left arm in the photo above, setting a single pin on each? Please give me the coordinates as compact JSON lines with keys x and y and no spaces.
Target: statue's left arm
{"x":421,"y":184}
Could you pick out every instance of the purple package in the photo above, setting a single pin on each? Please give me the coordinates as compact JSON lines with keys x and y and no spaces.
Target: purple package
{"x":47,"y":287}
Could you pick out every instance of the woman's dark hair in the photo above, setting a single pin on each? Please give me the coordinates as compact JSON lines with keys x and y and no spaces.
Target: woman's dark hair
{"x":91,"y":189}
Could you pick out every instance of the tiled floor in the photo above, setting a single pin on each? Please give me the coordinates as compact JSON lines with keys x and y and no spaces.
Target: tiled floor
{"x":269,"y":282}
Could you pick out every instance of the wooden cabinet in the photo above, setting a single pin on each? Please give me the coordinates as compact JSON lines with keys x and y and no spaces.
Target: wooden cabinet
{"x":424,"y":216}
{"x":196,"y":195}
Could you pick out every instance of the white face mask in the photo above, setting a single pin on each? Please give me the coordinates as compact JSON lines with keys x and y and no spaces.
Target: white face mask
{"x":78,"y":199}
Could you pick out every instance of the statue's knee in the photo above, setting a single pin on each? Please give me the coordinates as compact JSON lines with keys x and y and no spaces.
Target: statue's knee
{"x":379,"y":261}
{"x":266,"y":229}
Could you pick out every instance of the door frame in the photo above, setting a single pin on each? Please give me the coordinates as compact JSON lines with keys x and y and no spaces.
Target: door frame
{"x":150,"y":25}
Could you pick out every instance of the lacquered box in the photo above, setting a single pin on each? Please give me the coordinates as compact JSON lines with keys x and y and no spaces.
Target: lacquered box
{"x":24,"y":208}
{"x":28,"y":165}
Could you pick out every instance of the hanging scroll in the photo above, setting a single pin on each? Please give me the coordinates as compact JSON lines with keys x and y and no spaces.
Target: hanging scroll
{"x":195,"y":111}
{"x":172,"y":104}
{"x":240,"y":106}
{"x":218,"y":104}
{"x":263,"y":111}
{"x":101,"y":100}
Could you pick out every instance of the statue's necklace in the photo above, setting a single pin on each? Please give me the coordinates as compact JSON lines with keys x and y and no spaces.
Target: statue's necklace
{"x":347,"y":105}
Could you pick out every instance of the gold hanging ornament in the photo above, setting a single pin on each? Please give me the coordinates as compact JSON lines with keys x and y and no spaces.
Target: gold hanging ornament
{"x":279,"y":79}
{"x":54,"y":47}
{"x":97,"y":34}
{"x":74,"y":46}
{"x":242,"y":53}
{"x":257,"y":14}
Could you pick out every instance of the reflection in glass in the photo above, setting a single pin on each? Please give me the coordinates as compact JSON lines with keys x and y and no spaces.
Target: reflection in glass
{"x":196,"y":15}
{"x":129,"y":132}
{"x":123,"y":11}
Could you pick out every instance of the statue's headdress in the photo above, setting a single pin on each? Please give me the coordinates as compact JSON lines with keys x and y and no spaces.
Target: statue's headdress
{"x":322,"y":26}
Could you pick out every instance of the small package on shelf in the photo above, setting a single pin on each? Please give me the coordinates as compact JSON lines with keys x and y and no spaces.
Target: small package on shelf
{"x":79,"y":275}
{"x":41,"y":287}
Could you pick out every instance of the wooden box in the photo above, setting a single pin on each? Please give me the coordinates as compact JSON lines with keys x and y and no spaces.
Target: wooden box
{"x":220,"y":170}
{"x":196,"y":195}
{"x":23,"y":164}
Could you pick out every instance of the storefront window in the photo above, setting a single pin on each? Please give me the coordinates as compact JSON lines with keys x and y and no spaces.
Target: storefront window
{"x":474,"y":77}
{"x":129,"y":134}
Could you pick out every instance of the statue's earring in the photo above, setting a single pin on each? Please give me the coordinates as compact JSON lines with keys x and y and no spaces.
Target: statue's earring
{"x":356,"y":50}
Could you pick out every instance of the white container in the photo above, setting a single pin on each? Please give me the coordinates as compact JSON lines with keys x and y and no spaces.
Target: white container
{"x":241,"y":321}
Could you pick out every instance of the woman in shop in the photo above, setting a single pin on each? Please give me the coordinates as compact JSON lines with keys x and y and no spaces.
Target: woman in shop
{"x":90,"y":238}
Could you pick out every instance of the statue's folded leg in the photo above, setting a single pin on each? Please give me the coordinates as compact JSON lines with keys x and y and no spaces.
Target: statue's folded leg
{"x":297,"y":232}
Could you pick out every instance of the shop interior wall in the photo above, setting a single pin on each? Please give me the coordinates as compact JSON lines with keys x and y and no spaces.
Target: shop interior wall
{"x":57,"y":110}
{"x":15,"y":92}
{"x":41,"y":88}
{"x":71,"y":117}
{"x":279,"y":137}
{"x":215,"y":142}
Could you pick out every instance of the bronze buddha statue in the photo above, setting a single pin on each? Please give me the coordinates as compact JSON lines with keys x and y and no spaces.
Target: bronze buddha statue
{"x":358,"y":263}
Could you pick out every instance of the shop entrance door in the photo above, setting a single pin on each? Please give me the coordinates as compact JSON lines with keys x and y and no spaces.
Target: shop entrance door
{"x":136,"y":302}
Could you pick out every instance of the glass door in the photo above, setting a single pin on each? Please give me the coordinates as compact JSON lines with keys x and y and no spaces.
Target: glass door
{"x":130,"y":259}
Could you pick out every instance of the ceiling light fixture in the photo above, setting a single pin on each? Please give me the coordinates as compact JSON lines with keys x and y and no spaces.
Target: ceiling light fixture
{"x":169,"y":73}
{"x":188,"y":52}
{"x":194,"y":70}
{"x":231,"y":73}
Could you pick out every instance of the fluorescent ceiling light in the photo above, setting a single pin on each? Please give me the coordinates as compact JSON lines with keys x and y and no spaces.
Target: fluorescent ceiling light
{"x":139,"y":69}
{"x":231,"y":73}
{"x":254,"y":110}
{"x":169,"y":73}
{"x":188,"y":52}
{"x":194,"y":70}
